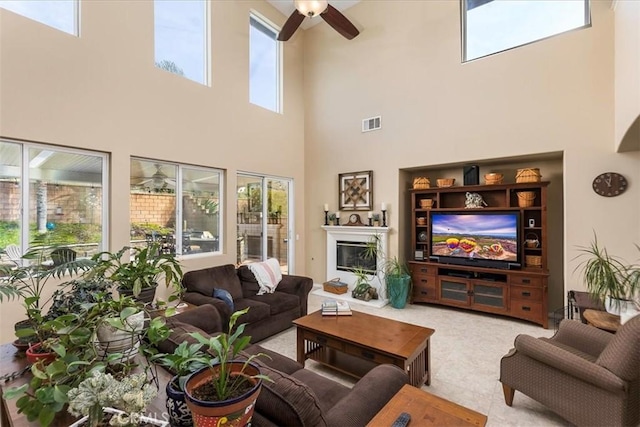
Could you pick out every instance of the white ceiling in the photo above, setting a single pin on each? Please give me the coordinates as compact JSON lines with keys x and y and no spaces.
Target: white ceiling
{"x":286,"y":7}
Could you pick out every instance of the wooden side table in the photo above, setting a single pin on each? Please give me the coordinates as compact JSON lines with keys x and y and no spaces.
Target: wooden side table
{"x":602,"y":320}
{"x":426,"y":409}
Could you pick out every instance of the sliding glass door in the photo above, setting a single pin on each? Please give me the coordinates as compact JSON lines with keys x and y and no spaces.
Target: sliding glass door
{"x":264,"y":219}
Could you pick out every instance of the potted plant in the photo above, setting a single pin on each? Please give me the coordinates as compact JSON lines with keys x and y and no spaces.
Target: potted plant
{"x":76,"y":356}
{"x":607,"y":277}
{"x":139,"y":275}
{"x":28,"y":280}
{"x":332,"y":218}
{"x":122,"y":400}
{"x":227,"y":388}
{"x":376,"y":219}
{"x":362,"y":289}
{"x":398,"y":281}
{"x":185,"y":360}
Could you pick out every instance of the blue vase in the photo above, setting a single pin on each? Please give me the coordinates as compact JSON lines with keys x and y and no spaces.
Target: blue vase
{"x":398,"y":290}
{"x":179,"y":412}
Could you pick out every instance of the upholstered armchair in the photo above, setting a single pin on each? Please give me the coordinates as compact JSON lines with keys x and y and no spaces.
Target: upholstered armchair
{"x":588,"y":376}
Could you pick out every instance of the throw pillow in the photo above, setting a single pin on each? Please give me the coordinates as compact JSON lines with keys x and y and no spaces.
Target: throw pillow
{"x":267,"y":274}
{"x":225,"y":296}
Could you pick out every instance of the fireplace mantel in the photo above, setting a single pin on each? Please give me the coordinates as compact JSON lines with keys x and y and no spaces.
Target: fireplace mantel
{"x":353,"y":233}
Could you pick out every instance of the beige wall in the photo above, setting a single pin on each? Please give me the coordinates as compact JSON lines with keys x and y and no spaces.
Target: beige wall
{"x":627,"y":74}
{"x":556,"y":95}
{"x":102,"y":92}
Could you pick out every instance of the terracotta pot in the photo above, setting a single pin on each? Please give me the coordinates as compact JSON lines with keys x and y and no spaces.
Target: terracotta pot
{"x":33,"y":355}
{"x":235,"y":412}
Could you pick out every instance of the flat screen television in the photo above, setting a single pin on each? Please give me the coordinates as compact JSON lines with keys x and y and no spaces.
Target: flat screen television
{"x":481,"y":239}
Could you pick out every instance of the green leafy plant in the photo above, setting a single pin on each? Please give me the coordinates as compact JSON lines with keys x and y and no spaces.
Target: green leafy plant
{"x":608,"y":275}
{"x":142,"y":270}
{"x":185,"y":359}
{"x":225,"y":348}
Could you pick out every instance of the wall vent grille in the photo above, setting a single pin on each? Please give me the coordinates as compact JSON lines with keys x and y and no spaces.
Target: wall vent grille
{"x":372,"y":123}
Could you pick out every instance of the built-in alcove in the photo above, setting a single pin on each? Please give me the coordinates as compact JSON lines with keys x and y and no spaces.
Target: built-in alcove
{"x":551,"y":168}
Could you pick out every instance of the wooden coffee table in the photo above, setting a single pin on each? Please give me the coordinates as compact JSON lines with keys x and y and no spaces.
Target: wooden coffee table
{"x":355,"y":344}
{"x":426,"y":409}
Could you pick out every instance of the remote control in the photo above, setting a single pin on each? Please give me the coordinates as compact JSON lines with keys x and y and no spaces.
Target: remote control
{"x":402,"y":420}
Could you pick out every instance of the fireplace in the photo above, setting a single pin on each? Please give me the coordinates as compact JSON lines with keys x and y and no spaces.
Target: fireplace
{"x":352,"y":255}
{"x":345,"y":251}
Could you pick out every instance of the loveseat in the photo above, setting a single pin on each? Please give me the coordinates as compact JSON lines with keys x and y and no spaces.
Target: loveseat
{"x":268,"y":314}
{"x":296,"y":396}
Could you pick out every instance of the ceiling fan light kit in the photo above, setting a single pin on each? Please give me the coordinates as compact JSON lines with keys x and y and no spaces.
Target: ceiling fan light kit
{"x":311,"y":8}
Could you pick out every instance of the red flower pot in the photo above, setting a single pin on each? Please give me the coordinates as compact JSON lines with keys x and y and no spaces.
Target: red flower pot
{"x":33,"y":354}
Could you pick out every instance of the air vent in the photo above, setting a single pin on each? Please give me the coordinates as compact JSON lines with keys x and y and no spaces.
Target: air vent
{"x":373,"y":123}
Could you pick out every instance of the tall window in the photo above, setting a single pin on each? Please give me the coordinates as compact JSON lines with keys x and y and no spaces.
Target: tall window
{"x":264,"y":64}
{"x":60,"y":14}
{"x":177,"y":207}
{"x":491,"y":26}
{"x":181,"y":38}
{"x":51,"y":190}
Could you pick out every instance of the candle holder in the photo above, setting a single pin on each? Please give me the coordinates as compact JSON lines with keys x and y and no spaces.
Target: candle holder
{"x":370,"y":221}
{"x":326,"y":217}
{"x":337,"y":220}
{"x":384,"y":218}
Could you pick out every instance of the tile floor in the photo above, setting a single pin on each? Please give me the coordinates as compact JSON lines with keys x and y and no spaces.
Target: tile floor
{"x":465,"y":359}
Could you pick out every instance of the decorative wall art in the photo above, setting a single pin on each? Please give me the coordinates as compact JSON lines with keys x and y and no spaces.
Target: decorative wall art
{"x":355,"y":191}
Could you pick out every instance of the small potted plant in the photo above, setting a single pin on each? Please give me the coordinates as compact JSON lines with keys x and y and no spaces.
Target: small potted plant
{"x":122,"y":402}
{"x":227,"y":388}
{"x":139,"y":275}
{"x":376,"y":219}
{"x":186,"y":359}
{"x":332,"y":218}
{"x":607,"y":277}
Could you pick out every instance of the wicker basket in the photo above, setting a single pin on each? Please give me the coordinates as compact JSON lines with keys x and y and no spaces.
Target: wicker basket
{"x":526,"y":198}
{"x":420,"y":183}
{"x":528,"y":175}
{"x":533,"y":260}
{"x":493,"y":178}
{"x":335,"y":286}
{"x":445,"y":182}
{"x":421,"y":221}
{"x":426,"y":203}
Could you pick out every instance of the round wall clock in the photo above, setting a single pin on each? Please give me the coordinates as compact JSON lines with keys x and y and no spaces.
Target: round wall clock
{"x":609,"y":184}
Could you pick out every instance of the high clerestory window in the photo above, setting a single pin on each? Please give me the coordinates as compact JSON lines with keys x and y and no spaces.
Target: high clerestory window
{"x":176,"y":206}
{"x":264,"y":64}
{"x":57,"y":191}
{"x":60,"y":14}
{"x":182,"y":38}
{"x":492,"y":26}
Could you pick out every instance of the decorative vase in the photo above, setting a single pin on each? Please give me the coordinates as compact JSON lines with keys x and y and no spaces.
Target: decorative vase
{"x":114,"y":340}
{"x":398,"y":290}
{"x":179,"y":412}
{"x":233,"y":412}
{"x":146,"y":295}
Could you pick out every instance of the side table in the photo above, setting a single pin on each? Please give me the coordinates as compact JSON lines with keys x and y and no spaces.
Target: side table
{"x":602,"y":320}
{"x":426,"y":409}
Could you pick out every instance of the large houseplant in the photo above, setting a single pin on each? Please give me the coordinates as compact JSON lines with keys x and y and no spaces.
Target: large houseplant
{"x":607,"y":277}
{"x":398,"y":280}
{"x":140,"y":272}
{"x":227,"y":388}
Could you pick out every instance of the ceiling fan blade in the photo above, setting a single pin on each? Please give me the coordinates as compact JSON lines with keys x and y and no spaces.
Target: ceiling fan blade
{"x":339,"y":22}
{"x":290,"y":26}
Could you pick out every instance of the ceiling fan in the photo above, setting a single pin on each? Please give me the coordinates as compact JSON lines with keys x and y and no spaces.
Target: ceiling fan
{"x":311,"y":8}
{"x":158,"y":179}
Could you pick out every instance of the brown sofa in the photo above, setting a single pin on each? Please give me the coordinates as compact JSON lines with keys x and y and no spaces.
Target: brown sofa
{"x":296,"y":396}
{"x":268,"y":313}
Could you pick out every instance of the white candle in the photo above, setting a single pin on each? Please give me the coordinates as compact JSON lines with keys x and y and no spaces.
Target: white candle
{"x":370,"y":215}
{"x":326,"y":207}
{"x":383,"y":206}
{"x":337,"y":214}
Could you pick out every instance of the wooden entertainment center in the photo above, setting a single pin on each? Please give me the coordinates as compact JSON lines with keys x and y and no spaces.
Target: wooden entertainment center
{"x":517,"y":290}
